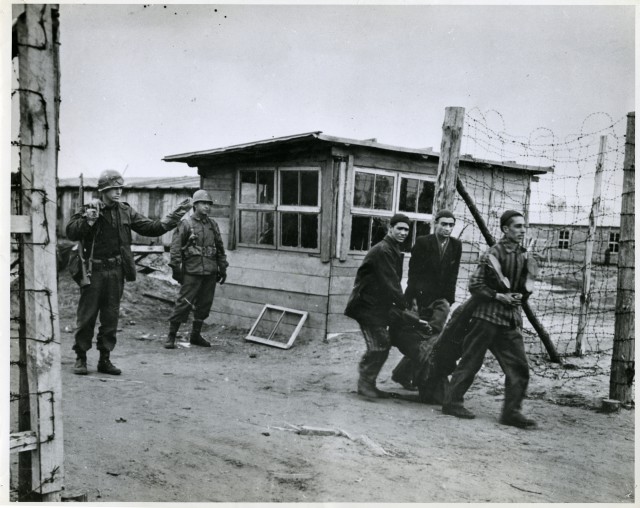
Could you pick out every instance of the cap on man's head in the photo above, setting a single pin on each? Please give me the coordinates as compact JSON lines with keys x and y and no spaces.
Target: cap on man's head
{"x":444,"y":213}
{"x":399,"y":217}
{"x":507,"y":216}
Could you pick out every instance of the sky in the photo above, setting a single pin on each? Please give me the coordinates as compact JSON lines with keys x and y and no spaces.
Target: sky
{"x":140,"y":82}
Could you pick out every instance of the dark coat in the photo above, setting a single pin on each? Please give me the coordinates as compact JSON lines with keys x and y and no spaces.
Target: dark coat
{"x":432,"y":277}
{"x":377,"y":288}
{"x":129,"y":220}
{"x":197,"y":245}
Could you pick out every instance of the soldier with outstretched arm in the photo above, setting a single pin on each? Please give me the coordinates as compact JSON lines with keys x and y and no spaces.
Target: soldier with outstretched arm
{"x":104,"y":228}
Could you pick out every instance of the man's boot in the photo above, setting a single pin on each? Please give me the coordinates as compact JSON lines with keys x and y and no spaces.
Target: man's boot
{"x":80,"y":368}
{"x":196,"y":339}
{"x":170,"y":342}
{"x":105,"y":366}
{"x":369,"y":368}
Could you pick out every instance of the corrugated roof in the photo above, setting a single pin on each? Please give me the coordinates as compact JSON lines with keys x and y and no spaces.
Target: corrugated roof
{"x":370,"y":143}
{"x":176,"y":182}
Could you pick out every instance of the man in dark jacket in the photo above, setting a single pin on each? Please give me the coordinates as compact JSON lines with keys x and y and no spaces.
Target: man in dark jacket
{"x":433,"y":272}
{"x":376,"y":292}
{"x":198,"y":261}
{"x":499,"y":284}
{"x":104,"y":228}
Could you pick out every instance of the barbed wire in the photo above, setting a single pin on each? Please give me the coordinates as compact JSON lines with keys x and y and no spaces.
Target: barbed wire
{"x":558,"y":204}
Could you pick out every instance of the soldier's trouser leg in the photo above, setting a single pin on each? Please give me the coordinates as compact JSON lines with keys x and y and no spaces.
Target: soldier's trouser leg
{"x":187,"y":296}
{"x":475,"y":346}
{"x":112,"y":289}
{"x":102,"y":297}
{"x":204,"y":297}
{"x":508,"y":348}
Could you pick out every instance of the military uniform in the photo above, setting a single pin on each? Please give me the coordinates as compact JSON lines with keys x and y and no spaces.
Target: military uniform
{"x":108,"y":243}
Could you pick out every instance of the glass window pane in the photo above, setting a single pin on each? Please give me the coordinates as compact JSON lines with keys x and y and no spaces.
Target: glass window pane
{"x":379,"y":229}
{"x":309,"y":188}
{"x":363,"y":191}
{"x":309,"y":231}
{"x":265,"y":228}
{"x":265,"y":187}
{"x":359,"y":233}
{"x":383,"y":192}
{"x":423,"y":228}
{"x":425,"y":200}
{"x":248,"y":227}
{"x":289,"y":230}
{"x":248,"y":187}
{"x":289,"y":187}
{"x":408,"y":195}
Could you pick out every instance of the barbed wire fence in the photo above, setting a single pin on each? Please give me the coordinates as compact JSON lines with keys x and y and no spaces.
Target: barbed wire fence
{"x":558,"y":201}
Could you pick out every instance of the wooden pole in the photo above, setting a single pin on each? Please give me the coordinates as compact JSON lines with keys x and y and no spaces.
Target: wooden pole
{"x":449,"y":159}
{"x":585,"y":296}
{"x":39,"y":92}
{"x":623,"y":358}
{"x":537,"y":325}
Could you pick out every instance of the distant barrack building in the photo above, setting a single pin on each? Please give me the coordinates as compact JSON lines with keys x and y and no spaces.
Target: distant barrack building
{"x":153,"y":197}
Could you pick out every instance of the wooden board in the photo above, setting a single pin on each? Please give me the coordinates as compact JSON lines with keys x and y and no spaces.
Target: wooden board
{"x":295,"y":283}
{"x":310,"y":303}
{"x":278,"y":261}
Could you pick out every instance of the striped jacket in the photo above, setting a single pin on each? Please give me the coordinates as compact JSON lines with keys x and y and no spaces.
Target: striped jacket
{"x":484,"y":284}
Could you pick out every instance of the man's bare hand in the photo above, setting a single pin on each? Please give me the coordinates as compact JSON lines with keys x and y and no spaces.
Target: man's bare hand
{"x":512,"y":299}
{"x":185,"y":205}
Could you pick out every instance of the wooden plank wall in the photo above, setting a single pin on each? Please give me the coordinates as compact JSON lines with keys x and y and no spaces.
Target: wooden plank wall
{"x":256,"y":277}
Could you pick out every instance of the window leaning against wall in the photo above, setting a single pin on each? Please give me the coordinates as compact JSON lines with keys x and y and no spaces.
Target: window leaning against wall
{"x":377,"y":195}
{"x":279,"y":208}
{"x":614,"y":242}
{"x":564,"y":236}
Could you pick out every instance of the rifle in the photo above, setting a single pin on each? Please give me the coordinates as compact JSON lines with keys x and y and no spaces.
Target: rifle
{"x":85,"y":268}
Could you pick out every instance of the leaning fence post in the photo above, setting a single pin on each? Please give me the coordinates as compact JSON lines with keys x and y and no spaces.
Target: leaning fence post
{"x":449,"y":160}
{"x":623,"y":358}
{"x":585,"y":296}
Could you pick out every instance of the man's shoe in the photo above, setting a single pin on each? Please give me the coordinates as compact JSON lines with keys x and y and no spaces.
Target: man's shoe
{"x":198,"y":340}
{"x":518,"y":420}
{"x":458,"y":412}
{"x":369,"y":391}
{"x":80,"y":368}
{"x":106,"y":367}
{"x":170,"y":342}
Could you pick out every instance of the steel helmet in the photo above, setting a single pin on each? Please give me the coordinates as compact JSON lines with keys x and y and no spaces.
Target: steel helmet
{"x":201,"y":195}
{"x":109,"y":179}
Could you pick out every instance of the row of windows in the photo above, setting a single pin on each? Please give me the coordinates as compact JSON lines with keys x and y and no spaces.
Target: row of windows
{"x":564,"y":240}
{"x":279,"y":208}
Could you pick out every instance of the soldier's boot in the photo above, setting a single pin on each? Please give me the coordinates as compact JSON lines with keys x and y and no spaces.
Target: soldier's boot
{"x":80,"y":368}
{"x":195,"y":338}
{"x":369,"y":368}
{"x":105,"y":366}
{"x":170,"y":342}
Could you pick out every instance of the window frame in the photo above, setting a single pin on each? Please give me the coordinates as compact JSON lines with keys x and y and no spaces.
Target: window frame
{"x":614,"y":245}
{"x":395,"y":201}
{"x":276,"y":208}
{"x":564,"y":243}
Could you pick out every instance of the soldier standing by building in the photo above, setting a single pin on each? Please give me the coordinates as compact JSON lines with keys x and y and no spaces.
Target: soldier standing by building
{"x":198,"y":261}
{"x":104,"y":228}
{"x":499,"y":285}
{"x":433,"y":272}
{"x":376,"y":292}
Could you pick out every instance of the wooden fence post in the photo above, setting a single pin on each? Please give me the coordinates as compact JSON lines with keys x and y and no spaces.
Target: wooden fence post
{"x":585,"y":296}
{"x":37,"y":40}
{"x":623,"y":358}
{"x":449,"y":161}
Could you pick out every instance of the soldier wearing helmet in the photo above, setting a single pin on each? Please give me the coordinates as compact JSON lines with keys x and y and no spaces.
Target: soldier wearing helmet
{"x":198,"y":261}
{"x":104,"y":229}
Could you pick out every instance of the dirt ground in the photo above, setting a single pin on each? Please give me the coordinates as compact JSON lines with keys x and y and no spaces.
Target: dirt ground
{"x":243,"y":422}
